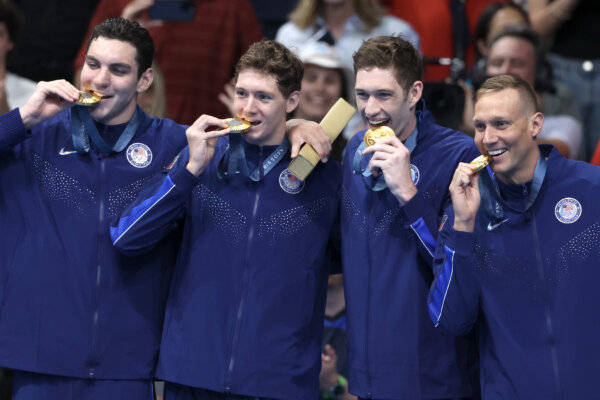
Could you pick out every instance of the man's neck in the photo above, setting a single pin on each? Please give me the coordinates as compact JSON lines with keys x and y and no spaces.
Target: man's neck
{"x":409,"y":128}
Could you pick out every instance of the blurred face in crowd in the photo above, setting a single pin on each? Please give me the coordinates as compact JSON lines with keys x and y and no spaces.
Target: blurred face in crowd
{"x":503,"y":18}
{"x":6,"y":44}
{"x":505,"y":128}
{"x":111,"y":69}
{"x":512,"y":55}
{"x":321,"y":88}
{"x":259,"y":100}
{"x":382,"y":101}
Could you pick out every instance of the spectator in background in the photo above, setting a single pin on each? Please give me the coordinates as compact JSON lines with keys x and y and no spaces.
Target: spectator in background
{"x":495,"y":17}
{"x":334,"y":369}
{"x":433,"y":21}
{"x":571,"y":29}
{"x":342,"y":23}
{"x":52,"y":33}
{"x":14,"y":89}
{"x":517,"y":50}
{"x":196,"y":57}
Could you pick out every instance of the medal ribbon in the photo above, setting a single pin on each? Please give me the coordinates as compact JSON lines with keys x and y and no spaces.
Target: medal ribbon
{"x":83,"y":128}
{"x":237,"y":159}
{"x":377,"y":183}
{"x":493,"y":202}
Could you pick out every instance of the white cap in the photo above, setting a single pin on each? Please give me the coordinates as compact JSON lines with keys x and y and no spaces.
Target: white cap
{"x":320,"y":54}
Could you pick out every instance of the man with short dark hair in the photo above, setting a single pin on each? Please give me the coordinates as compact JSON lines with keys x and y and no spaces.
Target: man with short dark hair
{"x":244,"y":318}
{"x":78,"y":320}
{"x":394,"y":196}
{"x":519,"y":261}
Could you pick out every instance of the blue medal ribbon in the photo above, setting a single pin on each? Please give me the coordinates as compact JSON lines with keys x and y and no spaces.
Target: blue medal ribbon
{"x":83,"y":128}
{"x":492,"y":201}
{"x":377,"y":183}
{"x":237,"y":159}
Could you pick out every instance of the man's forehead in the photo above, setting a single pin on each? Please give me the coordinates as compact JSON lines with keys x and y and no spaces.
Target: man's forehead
{"x":112,"y":49}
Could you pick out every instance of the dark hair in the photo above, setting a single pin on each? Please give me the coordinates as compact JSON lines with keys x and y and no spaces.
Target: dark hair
{"x":273,"y":58}
{"x":131,"y":32}
{"x":391,"y":51}
{"x":482,"y":28}
{"x":11,"y":16}
{"x":501,"y":82}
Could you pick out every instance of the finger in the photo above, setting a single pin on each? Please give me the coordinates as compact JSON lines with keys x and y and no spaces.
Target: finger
{"x":295,"y":150}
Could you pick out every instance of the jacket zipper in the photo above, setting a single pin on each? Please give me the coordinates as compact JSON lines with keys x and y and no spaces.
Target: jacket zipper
{"x":368,"y":316}
{"x":245,"y":278}
{"x":96,"y":293}
{"x":549,"y":325}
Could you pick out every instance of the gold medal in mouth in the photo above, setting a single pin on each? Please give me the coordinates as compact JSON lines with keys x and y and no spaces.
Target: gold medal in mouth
{"x":238,"y":125}
{"x":480,"y":162}
{"x":89,"y":97}
{"x":377,"y":134}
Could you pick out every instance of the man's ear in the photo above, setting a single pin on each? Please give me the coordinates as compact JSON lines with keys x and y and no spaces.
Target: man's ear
{"x":145,"y":80}
{"x":292,"y":102}
{"x":536,"y":123}
{"x":415,"y":93}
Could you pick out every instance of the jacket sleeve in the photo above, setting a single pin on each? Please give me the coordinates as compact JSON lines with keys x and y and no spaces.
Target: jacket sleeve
{"x":156,"y":211}
{"x":453,"y":300}
{"x":12,"y":130}
{"x":424,"y":220}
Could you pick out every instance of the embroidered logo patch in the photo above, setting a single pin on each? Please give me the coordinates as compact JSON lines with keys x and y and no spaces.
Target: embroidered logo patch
{"x":139,"y":155}
{"x":568,"y":210}
{"x":290,"y":182}
{"x":414,"y":173}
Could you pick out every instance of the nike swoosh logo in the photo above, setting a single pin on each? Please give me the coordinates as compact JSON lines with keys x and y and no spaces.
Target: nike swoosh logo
{"x":64,"y":152}
{"x":492,"y":227}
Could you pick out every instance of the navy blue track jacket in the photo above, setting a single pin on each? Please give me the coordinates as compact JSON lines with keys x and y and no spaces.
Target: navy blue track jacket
{"x":530,"y":282}
{"x":394,"y":351}
{"x":71,"y":304}
{"x":246,"y":306}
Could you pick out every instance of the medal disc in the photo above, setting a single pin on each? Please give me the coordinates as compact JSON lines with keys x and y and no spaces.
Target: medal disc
{"x":377,"y":134}
{"x":238,"y":125}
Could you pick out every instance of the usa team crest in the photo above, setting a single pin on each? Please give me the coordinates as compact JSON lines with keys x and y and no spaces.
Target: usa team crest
{"x":568,"y":210}
{"x":139,"y":155}
{"x":290,"y":182}
{"x":414,"y":173}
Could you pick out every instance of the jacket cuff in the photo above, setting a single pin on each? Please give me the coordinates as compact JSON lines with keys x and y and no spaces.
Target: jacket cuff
{"x":416,"y":208}
{"x":12,"y":130}
{"x":183,"y":179}
{"x":461,"y":242}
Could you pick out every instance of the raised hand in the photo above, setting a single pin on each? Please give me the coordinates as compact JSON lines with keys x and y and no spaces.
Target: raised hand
{"x":202,"y":142}
{"x":464,"y":190}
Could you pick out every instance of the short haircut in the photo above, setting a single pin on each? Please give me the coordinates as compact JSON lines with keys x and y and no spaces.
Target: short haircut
{"x":499,"y":83}
{"x":11,"y":16}
{"x":131,"y":32}
{"x":524,"y":32}
{"x":273,"y":58}
{"x":391,"y":52}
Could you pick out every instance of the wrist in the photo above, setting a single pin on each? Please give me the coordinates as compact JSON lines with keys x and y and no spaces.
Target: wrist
{"x":464,"y":226}
{"x":338,"y":388}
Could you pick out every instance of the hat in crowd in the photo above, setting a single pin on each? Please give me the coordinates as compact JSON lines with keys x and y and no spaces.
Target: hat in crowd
{"x":320,"y":54}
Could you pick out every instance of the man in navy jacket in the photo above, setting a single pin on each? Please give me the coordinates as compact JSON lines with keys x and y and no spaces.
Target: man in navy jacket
{"x":394,"y":194}
{"x":78,"y":319}
{"x":521,"y":258}
{"x":245,"y":312}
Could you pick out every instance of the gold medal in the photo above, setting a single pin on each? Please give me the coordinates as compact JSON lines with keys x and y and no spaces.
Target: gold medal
{"x":238,"y":125}
{"x":480,"y":162}
{"x":377,"y":134}
{"x":88,"y":97}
